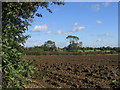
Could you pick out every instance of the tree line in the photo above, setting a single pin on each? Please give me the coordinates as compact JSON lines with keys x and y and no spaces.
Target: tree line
{"x":49,"y":45}
{"x":74,"y":46}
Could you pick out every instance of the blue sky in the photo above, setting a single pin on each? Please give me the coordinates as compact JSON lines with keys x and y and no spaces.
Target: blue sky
{"x":95,"y":23}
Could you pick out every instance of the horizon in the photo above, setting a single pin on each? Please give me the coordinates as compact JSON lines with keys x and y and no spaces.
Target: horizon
{"x":95,"y":23}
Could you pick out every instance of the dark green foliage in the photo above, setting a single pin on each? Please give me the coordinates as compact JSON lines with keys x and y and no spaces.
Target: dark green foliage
{"x":16,"y":18}
{"x":74,"y":45}
{"x":49,"y":46}
{"x":81,"y":51}
{"x":73,"y":39}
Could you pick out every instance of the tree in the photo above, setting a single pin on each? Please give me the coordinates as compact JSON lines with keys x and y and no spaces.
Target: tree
{"x":72,"y":39}
{"x":16,"y":17}
{"x":49,"y":46}
{"x":74,"y":45}
{"x":80,"y":44}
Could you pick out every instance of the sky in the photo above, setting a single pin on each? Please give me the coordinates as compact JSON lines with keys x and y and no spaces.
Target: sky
{"x":95,"y":23}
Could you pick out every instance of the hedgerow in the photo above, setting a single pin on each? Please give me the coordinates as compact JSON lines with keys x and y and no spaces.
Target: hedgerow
{"x":16,"y":17}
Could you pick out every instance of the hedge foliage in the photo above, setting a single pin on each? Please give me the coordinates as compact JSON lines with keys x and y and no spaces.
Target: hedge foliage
{"x":16,"y":17}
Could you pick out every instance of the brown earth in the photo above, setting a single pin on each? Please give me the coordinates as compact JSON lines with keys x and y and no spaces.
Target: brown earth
{"x":75,"y":71}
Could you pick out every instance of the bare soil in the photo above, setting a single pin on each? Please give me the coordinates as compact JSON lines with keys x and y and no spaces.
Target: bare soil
{"x":75,"y":71}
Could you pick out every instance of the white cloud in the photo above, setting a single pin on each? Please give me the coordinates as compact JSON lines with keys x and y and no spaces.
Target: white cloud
{"x":99,"y":21}
{"x":63,"y":32}
{"x":98,"y":40}
{"x":66,"y":33}
{"x":95,"y":7}
{"x":33,"y":42}
{"x":100,"y":6}
{"x":49,"y":32}
{"x":40,"y":28}
{"x":106,"y":4}
{"x":77,"y":29}
{"x":75,"y":24}
{"x":59,"y":32}
{"x":105,"y":35}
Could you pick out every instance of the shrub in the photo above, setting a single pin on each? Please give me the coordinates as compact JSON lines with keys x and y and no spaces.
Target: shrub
{"x":15,"y":21}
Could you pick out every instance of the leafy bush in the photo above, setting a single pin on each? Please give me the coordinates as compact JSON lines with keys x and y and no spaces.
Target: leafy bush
{"x":16,"y":17}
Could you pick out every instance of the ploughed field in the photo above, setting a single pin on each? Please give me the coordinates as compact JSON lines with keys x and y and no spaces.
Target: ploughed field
{"x":76,"y":71}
